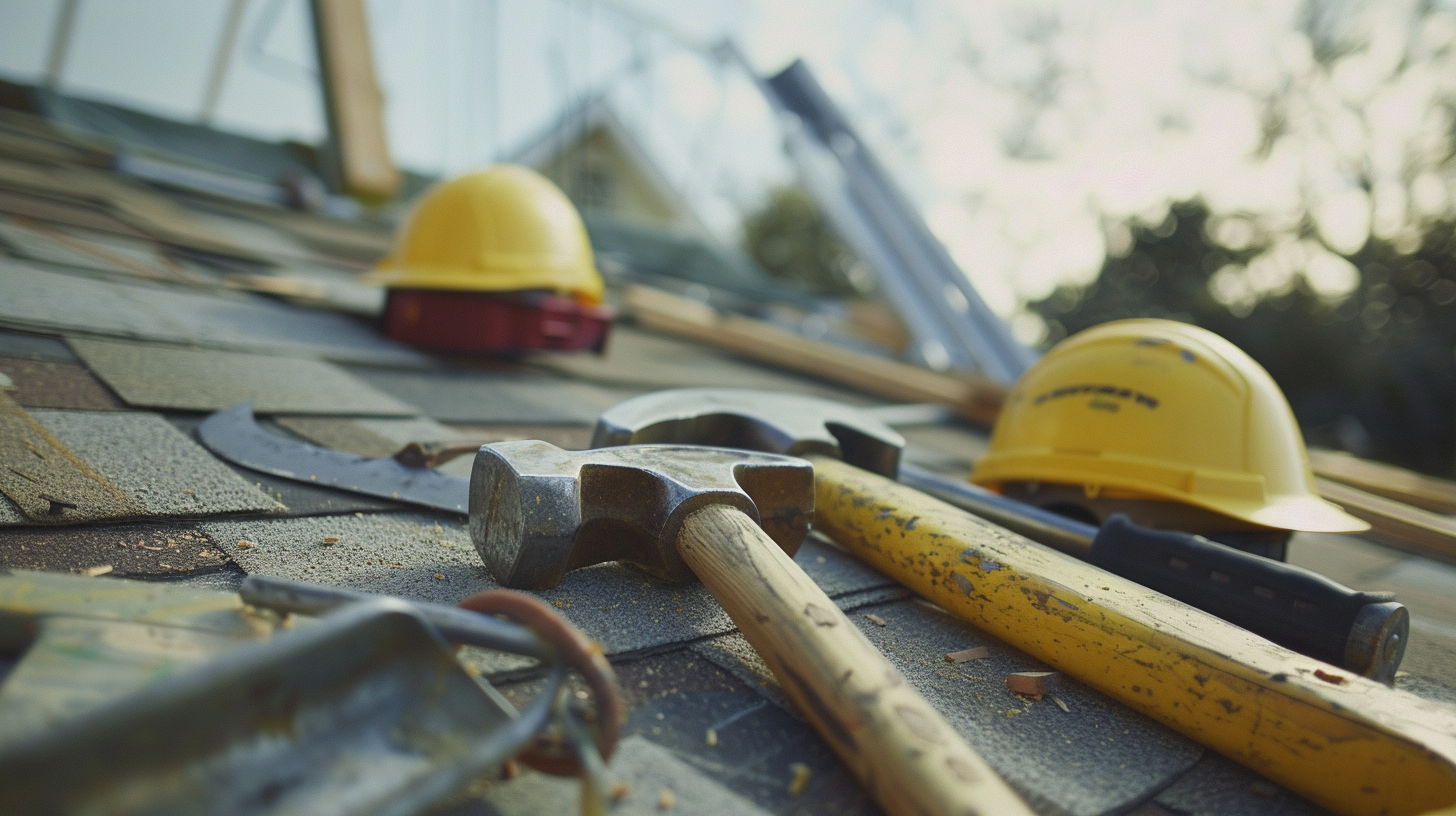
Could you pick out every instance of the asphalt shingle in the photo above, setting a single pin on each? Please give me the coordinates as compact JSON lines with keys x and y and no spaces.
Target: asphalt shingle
{"x":403,"y":553}
{"x":151,"y":375}
{"x":35,"y":298}
{"x":165,"y":474}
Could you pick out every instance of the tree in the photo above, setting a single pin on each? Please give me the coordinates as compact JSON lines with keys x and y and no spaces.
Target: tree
{"x":1371,"y":370}
{"x":790,"y":240}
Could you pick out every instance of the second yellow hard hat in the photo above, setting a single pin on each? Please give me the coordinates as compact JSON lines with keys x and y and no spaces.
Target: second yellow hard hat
{"x":505,"y":228}
{"x":1156,"y":409}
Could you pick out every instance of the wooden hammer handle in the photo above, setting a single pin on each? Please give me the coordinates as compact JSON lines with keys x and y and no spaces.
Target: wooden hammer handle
{"x":907,"y":757}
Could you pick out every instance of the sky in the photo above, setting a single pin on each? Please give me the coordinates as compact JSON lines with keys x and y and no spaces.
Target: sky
{"x":1030,"y":133}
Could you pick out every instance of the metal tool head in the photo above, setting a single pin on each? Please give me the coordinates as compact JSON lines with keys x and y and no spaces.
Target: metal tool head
{"x":538,"y":511}
{"x":755,"y":420}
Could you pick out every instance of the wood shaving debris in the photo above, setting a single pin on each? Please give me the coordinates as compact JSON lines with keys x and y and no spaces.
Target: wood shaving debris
{"x":875,"y":619}
{"x":712,"y":738}
{"x":1336,"y":679}
{"x":666,"y":799}
{"x":92,"y":572}
{"x":800,"y":781}
{"x":968,"y":654}
{"x":1032,"y":684}
{"x":1012,"y":712}
{"x":244,"y":544}
{"x":331,"y":540}
{"x":439,"y":576}
{"x":1060,"y":704}
{"x":619,"y":791}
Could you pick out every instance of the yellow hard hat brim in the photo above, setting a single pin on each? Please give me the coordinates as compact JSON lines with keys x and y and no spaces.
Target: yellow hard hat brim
{"x":1234,"y":495}
{"x":1309,"y":514}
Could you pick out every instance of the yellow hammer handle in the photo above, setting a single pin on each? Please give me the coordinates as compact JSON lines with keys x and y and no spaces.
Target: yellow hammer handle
{"x":1347,"y":743}
{"x":903,"y":752}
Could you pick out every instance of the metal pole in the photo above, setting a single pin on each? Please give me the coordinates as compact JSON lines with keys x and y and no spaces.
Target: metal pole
{"x":61,"y":41}
{"x":221,"y":60}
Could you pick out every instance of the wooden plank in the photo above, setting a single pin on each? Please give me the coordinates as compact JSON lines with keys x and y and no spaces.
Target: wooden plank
{"x":1379,"y":750}
{"x":973,"y":398}
{"x":1425,"y":492}
{"x":1397,"y":523}
{"x":354,"y":103}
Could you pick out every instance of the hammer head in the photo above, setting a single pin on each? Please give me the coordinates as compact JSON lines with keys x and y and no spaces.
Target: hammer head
{"x":537,"y":511}
{"x":755,"y":420}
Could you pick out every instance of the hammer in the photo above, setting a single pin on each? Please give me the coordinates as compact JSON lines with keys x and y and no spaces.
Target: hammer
{"x":1379,"y":750}
{"x":731,"y":518}
{"x":1364,"y":632}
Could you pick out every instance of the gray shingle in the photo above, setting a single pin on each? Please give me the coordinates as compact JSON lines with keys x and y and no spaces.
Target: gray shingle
{"x":164,"y":472}
{"x":152,"y":375}
{"x":645,"y":768}
{"x":36,"y":298}
{"x":401,"y":553}
{"x":1096,"y":757}
{"x":481,"y":397}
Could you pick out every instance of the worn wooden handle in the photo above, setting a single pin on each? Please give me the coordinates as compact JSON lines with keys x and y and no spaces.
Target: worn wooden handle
{"x":908,"y":758}
{"x":1345,"y":742}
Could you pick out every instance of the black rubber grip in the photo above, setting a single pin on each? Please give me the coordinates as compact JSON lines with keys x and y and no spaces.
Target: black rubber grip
{"x":1292,"y":606}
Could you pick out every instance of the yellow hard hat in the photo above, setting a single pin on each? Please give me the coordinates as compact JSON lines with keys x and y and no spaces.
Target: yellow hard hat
{"x":1156,"y":409}
{"x":505,"y":228}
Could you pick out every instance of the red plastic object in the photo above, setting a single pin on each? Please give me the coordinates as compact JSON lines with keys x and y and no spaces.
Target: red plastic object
{"x":494,"y":322}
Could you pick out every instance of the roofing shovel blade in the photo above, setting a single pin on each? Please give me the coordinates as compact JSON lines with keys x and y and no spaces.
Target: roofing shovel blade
{"x":234,"y":435}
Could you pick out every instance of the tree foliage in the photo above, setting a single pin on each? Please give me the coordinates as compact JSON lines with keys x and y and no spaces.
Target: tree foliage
{"x":1372,"y":371}
{"x":789,"y":239}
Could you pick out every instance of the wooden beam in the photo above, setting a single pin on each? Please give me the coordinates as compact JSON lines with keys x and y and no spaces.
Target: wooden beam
{"x":975,"y":399}
{"x":61,"y":42}
{"x":1396,"y":523}
{"x":222,"y":58}
{"x":1425,"y":492}
{"x":353,"y":101}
